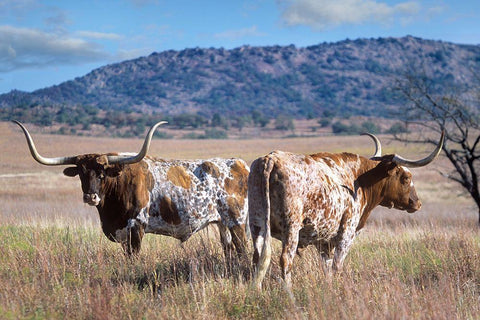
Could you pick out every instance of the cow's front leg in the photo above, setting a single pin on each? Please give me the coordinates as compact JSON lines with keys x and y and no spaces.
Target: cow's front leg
{"x":290,"y":244}
{"x":325,"y":249}
{"x":133,"y":237}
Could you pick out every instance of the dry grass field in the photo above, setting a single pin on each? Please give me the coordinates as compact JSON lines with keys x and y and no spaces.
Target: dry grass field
{"x":56,"y":263}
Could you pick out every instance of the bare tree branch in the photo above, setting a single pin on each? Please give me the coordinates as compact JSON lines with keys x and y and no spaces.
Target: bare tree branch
{"x":457,"y":113}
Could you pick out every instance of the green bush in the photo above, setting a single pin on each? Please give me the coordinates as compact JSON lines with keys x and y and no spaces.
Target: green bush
{"x":339,"y":128}
{"x":370,"y":127}
{"x":283,"y":122}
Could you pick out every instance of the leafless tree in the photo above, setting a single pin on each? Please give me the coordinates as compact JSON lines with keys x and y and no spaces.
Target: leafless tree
{"x":458,"y":113}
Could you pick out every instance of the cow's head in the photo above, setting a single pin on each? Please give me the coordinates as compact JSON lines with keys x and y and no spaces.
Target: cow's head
{"x":398,"y":190}
{"x":92,"y":169}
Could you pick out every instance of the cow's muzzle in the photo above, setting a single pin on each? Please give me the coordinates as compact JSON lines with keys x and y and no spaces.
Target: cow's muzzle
{"x":91,"y":199}
{"x":414,"y":206}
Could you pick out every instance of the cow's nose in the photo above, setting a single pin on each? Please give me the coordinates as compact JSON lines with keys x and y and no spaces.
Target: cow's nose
{"x":91,"y":198}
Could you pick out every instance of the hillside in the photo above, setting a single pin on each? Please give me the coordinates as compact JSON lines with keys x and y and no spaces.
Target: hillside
{"x":351,"y":77}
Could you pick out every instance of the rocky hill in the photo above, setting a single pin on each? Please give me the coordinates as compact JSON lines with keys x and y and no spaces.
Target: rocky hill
{"x":351,"y":77}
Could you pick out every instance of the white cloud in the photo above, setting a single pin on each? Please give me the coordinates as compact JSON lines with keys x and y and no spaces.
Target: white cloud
{"x":123,"y":54}
{"x":25,"y":47}
{"x":324,"y":14}
{"x":240,"y":33}
{"x":98,"y":35}
{"x":438,"y":10}
{"x":408,"y":8}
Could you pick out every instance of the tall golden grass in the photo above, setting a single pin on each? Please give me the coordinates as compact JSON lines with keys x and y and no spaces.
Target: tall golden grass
{"x":427,"y":272}
{"x":55,"y":262}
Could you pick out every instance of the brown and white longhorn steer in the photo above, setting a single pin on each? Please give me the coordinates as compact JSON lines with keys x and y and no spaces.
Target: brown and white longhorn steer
{"x":135,"y":194}
{"x":323,"y":199}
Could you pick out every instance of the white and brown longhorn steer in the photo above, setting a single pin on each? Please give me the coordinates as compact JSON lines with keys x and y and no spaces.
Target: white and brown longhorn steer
{"x":323,"y":199}
{"x":135,"y":194}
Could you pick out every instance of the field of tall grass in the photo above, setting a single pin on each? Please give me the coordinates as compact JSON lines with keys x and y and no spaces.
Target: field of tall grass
{"x":56,"y":263}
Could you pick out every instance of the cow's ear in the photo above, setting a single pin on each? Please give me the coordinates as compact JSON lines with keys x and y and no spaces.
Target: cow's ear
{"x":70,"y":171}
{"x":113,"y":171}
{"x":391,"y":168}
{"x":386,"y":165}
{"x":384,"y":158}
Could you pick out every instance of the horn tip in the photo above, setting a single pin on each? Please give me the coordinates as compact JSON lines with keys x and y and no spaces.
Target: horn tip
{"x":19,"y":124}
{"x":367,"y":134}
{"x":160,"y":123}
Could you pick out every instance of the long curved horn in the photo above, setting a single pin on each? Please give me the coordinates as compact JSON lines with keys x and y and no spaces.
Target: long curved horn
{"x":42,"y":160}
{"x":378,"y":145}
{"x":422,"y":162}
{"x":143,"y":152}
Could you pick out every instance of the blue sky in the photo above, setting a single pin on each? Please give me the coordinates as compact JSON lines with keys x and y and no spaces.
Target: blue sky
{"x":43,"y":43}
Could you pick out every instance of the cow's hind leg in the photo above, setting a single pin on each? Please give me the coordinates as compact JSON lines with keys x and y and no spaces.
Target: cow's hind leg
{"x":343,"y":241}
{"x":290,"y":244}
{"x":262,"y":253}
{"x":227,"y":243}
{"x":239,"y":238}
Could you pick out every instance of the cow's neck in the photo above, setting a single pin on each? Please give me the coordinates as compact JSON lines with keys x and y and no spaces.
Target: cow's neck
{"x":128,"y":192}
{"x":371,"y":180}
{"x":109,"y":188}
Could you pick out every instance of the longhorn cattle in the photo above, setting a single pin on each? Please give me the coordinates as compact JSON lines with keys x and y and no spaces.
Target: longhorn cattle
{"x":323,"y":199}
{"x":136,"y":194}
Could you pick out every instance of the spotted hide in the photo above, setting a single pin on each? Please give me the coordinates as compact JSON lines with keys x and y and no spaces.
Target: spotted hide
{"x":136,"y":194}
{"x":322,"y":199}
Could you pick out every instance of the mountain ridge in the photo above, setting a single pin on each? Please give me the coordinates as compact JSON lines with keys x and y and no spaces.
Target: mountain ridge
{"x":349,"y":77}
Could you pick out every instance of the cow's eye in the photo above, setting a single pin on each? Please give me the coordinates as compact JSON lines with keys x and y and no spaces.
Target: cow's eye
{"x":405,"y":180}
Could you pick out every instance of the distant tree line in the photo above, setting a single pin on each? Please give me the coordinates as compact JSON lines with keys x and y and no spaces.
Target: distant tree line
{"x":340,"y":128}
{"x":83,"y":117}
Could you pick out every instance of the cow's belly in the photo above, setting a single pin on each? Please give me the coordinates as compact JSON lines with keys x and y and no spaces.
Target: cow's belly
{"x":181,"y":231}
{"x":311,"y":233}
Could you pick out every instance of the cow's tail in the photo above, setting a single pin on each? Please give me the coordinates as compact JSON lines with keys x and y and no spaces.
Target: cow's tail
{"x":259,"y":216}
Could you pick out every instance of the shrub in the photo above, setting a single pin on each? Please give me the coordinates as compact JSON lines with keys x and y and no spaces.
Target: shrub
{"x":324,"y":122}
{"x":369,"y":126}
{"x":397,"y":128}
{"x":339,"y":128}
{"x":283,"y":122}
